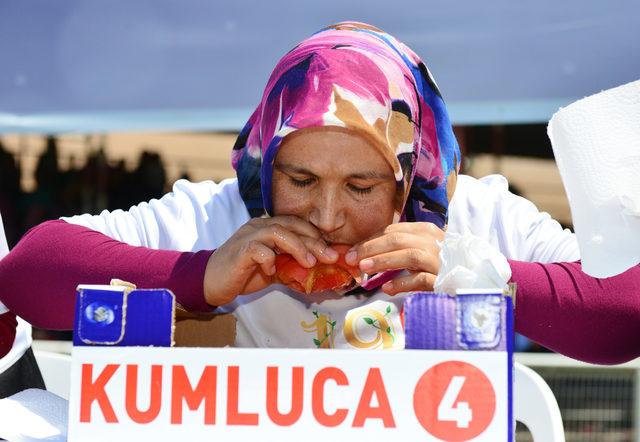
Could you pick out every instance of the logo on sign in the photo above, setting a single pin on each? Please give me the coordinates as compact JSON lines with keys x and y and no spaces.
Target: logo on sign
{"x":454,"y":401}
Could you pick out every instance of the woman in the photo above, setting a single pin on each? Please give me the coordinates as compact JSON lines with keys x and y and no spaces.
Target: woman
{"x":352,"y":144}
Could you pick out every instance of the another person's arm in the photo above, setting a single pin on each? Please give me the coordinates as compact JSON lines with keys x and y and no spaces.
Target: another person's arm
{"x":41,"y":273}
{"x":558,"y":305}
{"x":163,"y":243}
{"x":564,"y":309}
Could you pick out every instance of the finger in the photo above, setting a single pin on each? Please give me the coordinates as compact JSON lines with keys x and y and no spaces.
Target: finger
{"x":263,"y":256}
{"x":423,"y":229}
{"x":409,"y":259}
{"x":278,"y":237}
{"x":415,"y":282}
{"x":321,"y":250}
{"x":389,"y":242}
{"x":419,"y":228}
{"x":291,"y":223}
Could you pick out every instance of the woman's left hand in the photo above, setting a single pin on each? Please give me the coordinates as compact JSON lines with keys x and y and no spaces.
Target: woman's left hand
{"x":411,"y":246}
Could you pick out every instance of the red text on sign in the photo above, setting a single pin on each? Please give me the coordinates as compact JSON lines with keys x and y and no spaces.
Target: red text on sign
{"x":201,"y":393}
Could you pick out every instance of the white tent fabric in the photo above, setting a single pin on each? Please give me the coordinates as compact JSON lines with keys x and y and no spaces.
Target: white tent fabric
{"x":91,"y":65}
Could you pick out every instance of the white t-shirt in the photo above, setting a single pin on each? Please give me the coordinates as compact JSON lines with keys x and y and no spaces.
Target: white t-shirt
{"x":197,"y":216}
{"x":22,"y":340}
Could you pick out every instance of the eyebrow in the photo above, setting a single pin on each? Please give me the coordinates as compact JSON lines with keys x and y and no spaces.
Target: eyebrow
{"x":370,"y":174}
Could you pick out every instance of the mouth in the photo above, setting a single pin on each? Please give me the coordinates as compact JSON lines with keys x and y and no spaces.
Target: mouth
{"x":334,"y":241}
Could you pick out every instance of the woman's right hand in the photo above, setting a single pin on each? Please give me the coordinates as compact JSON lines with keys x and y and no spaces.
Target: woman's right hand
{"x":245,"y":263}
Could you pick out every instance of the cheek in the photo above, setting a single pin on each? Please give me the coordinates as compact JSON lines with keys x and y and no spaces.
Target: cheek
{"x":368,"y":219}
{"x":287,"y":200}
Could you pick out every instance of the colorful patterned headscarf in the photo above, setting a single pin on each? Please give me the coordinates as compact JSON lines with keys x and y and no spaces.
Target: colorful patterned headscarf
{"x":355,"y":76}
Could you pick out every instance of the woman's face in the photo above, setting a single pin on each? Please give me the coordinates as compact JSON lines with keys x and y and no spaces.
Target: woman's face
{"x":337,"y":181}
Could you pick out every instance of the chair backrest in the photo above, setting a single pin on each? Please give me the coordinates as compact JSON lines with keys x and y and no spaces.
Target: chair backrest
{"x":56,"y":371}
{"x":535,"y":406}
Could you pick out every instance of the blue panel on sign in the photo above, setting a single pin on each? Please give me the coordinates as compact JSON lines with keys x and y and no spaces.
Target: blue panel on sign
{"x":99,"y":317}
{"x":114,"y":317}
{"x":479,"y":324}
{"x":471,"y":320}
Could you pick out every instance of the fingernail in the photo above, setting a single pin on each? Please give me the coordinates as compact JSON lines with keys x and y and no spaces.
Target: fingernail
{"x":311,"y":259}
{"x":350,"y":257}
{"x":387,"y":286}
{"x":366,"y":264}
{"x":331,"y":254}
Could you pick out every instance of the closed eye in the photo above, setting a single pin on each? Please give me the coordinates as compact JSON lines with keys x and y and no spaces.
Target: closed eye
{"x":360,"y":190}
{"x":301,"y":183}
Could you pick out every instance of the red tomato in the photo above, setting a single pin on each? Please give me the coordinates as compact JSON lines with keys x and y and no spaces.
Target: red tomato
{"x":288,"y":269}
{"x":320,"y":277}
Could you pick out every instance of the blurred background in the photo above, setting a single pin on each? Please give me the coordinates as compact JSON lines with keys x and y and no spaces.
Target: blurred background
{"x":104,"y":104}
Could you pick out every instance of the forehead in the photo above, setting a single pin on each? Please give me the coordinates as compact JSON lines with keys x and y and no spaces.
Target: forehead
{"x":326,"y":150}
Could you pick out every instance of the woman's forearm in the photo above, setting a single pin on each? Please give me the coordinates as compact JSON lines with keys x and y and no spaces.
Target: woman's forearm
{"x":586,"y":318}
{"x":40,"y":275}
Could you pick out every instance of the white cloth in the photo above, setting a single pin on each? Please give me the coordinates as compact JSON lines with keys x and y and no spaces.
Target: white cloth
{"x":34,"y":415}
{"x":4,"y":250}
{"x":596,"y":142}
{"x":22,"y":340}
{"x":4,"y":247}
{"x":198,"y":216}
{"x":470,"y":262}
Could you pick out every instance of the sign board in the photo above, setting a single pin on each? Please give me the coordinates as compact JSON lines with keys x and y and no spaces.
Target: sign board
{"x":289,"y":394}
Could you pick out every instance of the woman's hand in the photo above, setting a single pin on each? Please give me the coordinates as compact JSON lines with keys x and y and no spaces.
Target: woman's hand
{"x":245,"y":263}
{"x":411,"y":246}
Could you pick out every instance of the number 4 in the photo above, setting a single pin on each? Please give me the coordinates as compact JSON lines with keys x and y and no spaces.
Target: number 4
{"x":448,"y":410}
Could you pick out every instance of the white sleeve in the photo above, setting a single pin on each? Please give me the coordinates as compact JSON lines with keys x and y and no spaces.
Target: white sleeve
{"x":4,"y":247}
{"x":513,"y":224}
{"x":194,"y":216}
{"x":4,"y":250}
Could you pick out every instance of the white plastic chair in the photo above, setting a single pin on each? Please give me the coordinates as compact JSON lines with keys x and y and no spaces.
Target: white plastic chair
{"x":56,"y":371}
{"x":535,"y":406}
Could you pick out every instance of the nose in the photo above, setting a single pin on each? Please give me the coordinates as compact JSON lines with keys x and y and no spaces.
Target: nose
{"x":328,"y":211}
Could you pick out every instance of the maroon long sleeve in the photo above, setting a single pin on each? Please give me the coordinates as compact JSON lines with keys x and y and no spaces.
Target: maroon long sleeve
{"x":40,"y":275}
{"x":586,"y":318}
{"x":8,"y":324}
{"x":559,"y":306}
